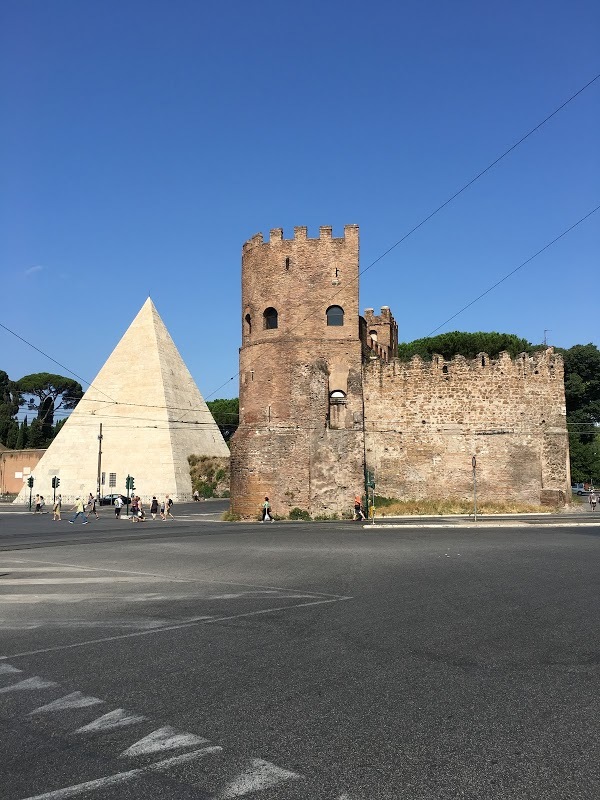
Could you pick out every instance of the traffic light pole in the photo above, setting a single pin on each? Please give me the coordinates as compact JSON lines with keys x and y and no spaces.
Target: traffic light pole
{"x":99,"y":460}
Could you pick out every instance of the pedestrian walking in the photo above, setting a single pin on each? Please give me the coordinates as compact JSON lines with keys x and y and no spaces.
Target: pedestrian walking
{"x":141,"y":515}
{"x":196,"y":496}
{"x":118,"y":507}
{"x":267,"y":515}
{"x":358,"y":509}
{"x":593,"y":500}
{"x":154,"y":507}
{"x":168,"y":507}
{"x":91,"y":506}
{"x":79,"y":510}
{"x":56,"y":509}
{"x":134,"y":509}
{"x":38,"y":505}
{"x":162,"y":509}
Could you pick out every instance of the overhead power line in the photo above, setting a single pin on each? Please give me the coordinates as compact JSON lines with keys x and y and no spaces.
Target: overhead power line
{"x":54,"y":361}
{"x":516,"y":269}
{"x":396,"y":244}
{"x":443,"y":205}
{"x":482,"y":173}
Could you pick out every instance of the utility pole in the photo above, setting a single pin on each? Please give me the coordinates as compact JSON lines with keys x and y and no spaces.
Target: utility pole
{"x":474,"y":464}
{"x":99,"y":460}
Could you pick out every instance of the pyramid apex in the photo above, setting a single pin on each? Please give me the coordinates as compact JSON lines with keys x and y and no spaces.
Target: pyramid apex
{"x":149,"y":304}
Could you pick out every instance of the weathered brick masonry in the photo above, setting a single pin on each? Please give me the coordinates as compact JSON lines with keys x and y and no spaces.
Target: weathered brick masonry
{"x":425,"y":421}
{"x":322,"y":395}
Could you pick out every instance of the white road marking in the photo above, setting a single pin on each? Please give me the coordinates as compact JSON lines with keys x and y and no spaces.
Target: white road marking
{"x":119,"y":718}
{"x":73,"y":700}
{"x":6,"y":669}
{"x":28,"y":685}
{"x":40,"y":569}
{"x":76,"y":597}
{"x":163,"y":739}
{"x":173,"y":578}
{"x":69,"y":580}
{"x":73,"y":624}
{"x":260,"y":775}
{"x":123,"y":777}
{"x":168,"y":628}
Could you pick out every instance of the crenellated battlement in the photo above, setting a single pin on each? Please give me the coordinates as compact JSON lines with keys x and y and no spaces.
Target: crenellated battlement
{"x":301,"y":235}
{"x":381,"y":333}
{"x":544,"y":363}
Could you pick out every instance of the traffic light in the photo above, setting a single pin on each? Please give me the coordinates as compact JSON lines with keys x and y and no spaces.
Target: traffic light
{"x":55,"y":482}
{"x":30,"y":481}
{"x":131,"y":484}
{"x":128,"y":482}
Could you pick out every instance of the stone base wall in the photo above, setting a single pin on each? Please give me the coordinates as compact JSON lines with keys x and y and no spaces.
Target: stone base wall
{"x":292,"y":445}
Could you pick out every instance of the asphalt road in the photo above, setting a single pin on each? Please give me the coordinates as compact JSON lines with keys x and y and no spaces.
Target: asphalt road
{"x":200,"y":659}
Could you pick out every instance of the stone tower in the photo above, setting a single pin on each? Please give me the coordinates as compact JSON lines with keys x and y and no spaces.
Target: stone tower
{"x":300,"y":440}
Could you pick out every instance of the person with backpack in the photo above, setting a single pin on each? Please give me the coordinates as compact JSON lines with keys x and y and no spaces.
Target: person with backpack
{"x":168,"y":507}
{"x":118,"y":507}
{"x":154,"y":507}
{"x":593,"y":499}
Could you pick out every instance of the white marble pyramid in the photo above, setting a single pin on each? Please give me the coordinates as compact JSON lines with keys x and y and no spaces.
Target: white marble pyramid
{"x":153,"y":417}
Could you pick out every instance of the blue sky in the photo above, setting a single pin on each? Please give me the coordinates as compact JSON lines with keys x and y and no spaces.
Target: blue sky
{"x":143,"y":142}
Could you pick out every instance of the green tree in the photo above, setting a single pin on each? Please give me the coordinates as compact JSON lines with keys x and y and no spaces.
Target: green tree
{"x":13,"y":435}
{"x":9,"y":406}
{"x":23,"y":436}
{"x":35,"y":435}
{"x":468,"y":345}
{"x":226,"y":413}
{"x":582,"y":395}
{"x":57,"y":427}
{"x":52,"y":392}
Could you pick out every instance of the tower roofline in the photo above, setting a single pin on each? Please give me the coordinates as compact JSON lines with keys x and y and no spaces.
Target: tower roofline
{"x":301,"y":235}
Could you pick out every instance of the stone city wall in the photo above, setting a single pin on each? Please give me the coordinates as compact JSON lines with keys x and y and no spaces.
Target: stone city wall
{"x":424,"y":422}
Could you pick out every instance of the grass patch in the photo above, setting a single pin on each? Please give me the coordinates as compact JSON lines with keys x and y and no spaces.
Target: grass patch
{"x":229,"y":516}
{"x":388,"y":507}
{"x":299,"y":513}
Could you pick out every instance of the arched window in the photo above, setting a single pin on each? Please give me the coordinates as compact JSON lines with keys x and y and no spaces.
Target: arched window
{"x":337,"y":396}
{"x":335,"y":315}
{"x":248,"y":321}
{"x":270,"y":317}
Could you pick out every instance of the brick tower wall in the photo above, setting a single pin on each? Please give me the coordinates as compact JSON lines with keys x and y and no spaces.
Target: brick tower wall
{"x":294,"y":443}
{"x":424,"y":422}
